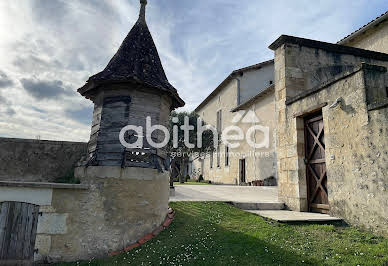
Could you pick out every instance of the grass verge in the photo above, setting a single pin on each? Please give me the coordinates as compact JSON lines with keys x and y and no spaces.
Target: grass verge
{"x":209,"y":233}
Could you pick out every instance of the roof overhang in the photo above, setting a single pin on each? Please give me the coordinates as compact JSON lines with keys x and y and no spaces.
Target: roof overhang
{"x":89,"y":89}
{"x":331,"y":47}
{"x":231,"y":76}
{"x":374,"y":23}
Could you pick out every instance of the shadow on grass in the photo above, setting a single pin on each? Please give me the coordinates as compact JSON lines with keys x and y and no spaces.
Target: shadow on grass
{"x":209,"y":233}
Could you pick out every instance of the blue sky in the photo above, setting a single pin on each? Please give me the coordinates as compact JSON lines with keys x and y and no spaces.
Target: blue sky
{"x":49,"y":48}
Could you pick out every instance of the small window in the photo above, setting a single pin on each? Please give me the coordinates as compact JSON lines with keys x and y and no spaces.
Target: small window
{"x":219,"y":121}
{"x":270,"y":82}
{"x":386,"y":92}
{"x":226,"y":155}
{"x":218,"y":158}
{"x":211,"y":160}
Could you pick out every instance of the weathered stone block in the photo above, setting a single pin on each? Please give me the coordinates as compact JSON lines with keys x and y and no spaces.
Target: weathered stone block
{"x":293,"y":72}
{"x":52,"y":224}
{"x":293,"y":163}
{"x":293,"y":177}
{"x":292,"y":151}
{"x":37,"y":196}
{"x":43,"y":244}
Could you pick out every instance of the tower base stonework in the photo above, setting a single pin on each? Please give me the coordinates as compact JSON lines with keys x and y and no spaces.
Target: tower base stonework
{"x":120,"y":207}
{"x":110,"y":210}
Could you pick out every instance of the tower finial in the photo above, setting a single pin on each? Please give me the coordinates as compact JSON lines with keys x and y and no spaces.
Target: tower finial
{"x":143,"y":4}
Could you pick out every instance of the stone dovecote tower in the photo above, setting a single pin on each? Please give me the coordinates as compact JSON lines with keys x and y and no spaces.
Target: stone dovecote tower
{"x":128,"y":188}
{"x":131,"y":87}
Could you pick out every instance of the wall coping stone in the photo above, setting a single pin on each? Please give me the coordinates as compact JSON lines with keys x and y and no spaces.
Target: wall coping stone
{"x":325,"y":84}
{"x":43,"y":185}
{"x":37,"y":141}
{"x":331,"y":47}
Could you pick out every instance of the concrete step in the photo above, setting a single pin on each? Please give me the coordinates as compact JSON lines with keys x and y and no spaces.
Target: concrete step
{"x":259,"y":205}
{"x":172,"y":192}
{"x":285,"y":216}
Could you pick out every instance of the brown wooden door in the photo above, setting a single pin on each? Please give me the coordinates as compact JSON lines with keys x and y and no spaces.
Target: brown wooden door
{"x":315,"y":164}
{"x":242,"y":171}
{"x":18,"y":224}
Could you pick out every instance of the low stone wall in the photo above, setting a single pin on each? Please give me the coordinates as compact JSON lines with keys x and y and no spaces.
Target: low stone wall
{"x":109,"y":211}
{"x":38,"y":160}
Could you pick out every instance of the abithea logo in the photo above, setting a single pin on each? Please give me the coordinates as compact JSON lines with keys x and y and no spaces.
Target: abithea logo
{"x":232,"y":135}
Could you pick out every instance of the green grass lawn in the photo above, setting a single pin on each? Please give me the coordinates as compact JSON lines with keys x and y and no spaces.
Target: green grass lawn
{"x":207,"y":233}
{"x":190,"y":183}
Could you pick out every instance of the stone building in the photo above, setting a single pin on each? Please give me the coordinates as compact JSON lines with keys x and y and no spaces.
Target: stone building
{"x":332,"y":132}
{"x":244,"y":99}
{"x":330,"y":125}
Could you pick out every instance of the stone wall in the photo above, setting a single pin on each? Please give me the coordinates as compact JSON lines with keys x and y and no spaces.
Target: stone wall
{"x":260,"y":163}
{"x":355,"y":132}
{"x":254,"y":81}
{"x":225,"y":100}
{"x":38,"y":160}
{"x":110,"y":210}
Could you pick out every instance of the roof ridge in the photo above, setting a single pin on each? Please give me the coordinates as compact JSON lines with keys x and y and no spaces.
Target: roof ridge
{"x":364,"y":27}
{"x":230,"y":76}
{"x":253,"y":66}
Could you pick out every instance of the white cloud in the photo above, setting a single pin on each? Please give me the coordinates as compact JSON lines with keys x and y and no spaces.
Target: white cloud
{"x":200,"y":43}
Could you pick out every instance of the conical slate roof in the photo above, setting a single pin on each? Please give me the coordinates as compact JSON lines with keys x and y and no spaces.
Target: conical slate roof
{"x":137,"y":60}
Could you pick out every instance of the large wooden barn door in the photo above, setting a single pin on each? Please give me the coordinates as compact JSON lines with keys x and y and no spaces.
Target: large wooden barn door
{"x":18,"y":224}
{"x":315,"y":164}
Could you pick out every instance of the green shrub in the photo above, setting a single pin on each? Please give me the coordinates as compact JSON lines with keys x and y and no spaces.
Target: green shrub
{"x":68,"y":178}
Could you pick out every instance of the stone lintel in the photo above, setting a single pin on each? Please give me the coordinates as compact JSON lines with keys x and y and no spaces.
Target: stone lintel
{"x":310,"y":110}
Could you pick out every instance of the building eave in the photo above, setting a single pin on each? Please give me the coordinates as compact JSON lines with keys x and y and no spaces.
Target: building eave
{"x":252,"y":100}
{"x":88,"y":89}
{"x":229,"y":78}
{"x":331,"y":47}
{"x":382,"y":18}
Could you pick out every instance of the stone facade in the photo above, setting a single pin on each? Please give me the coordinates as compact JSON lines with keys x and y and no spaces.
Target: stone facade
{"x":112,"y":209}
{"x":259,"y":163}
{"x":311,"y":76}
{"x":38,"y":160}
{"x":251,"y":82}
